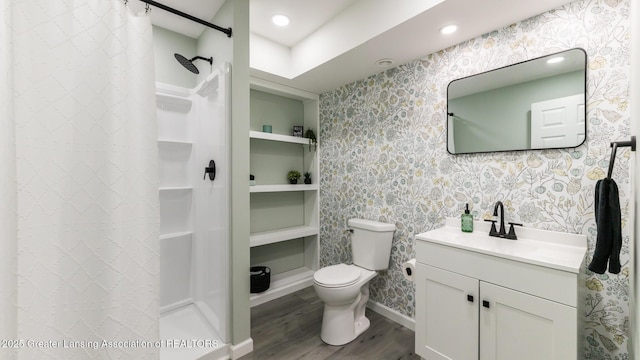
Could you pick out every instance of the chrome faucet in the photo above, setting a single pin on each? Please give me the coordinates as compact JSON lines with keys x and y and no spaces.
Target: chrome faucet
{"x":502,"y":233}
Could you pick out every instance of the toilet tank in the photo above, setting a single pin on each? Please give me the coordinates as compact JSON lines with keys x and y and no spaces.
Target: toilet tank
{"x":371,"y":243}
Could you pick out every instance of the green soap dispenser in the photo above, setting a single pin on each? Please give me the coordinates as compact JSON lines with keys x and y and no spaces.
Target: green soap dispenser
{"x":467,"y":220}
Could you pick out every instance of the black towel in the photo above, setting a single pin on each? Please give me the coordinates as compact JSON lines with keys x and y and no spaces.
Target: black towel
{"x":608,"y":222}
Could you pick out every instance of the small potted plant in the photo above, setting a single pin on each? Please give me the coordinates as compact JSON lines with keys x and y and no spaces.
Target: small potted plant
{"x":309,"y":134}
{"x":293,"y":176}
{"x":307,"y":178}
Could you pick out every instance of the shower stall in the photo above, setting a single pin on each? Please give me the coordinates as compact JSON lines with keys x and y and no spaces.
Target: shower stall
{"x":194,"y":163}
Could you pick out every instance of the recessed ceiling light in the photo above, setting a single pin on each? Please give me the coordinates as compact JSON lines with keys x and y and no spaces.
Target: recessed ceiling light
{"x":280,"y":20}
{"x":554,"y":60}
{"x":384,"y":62}
{"x":449,"y":29}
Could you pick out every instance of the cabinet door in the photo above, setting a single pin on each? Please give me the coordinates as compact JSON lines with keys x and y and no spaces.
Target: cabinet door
{"x":446,"y":314}
{"x":515,"y":325}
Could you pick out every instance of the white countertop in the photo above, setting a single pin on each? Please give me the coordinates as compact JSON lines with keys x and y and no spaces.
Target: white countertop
{"x":556,"y":250}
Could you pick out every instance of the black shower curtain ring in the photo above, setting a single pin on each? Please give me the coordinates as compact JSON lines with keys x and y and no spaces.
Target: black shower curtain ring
{"x":147,"y":9}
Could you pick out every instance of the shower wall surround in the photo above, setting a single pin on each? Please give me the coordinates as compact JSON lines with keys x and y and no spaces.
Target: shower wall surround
{"x":384,"y":156}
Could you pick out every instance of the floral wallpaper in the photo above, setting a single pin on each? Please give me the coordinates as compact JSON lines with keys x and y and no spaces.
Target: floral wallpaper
{"x":384,"y":156}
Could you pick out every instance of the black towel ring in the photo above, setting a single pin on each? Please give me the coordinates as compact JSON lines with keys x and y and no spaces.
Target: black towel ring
{"x":615,"y":145}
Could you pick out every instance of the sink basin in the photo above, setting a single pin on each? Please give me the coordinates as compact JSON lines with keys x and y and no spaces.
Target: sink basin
{"x":557,"y":250}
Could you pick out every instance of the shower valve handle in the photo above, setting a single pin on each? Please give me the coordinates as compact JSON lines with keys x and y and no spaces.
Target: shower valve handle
{"x":211,"y":170}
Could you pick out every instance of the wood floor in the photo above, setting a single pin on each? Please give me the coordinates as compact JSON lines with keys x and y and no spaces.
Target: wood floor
{"x":289,"y":328}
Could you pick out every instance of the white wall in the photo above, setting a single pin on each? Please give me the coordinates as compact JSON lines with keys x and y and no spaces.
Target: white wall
{"x":168,"y":70}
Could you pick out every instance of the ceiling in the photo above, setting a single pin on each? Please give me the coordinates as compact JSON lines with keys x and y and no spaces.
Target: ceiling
{"x":334,"y":42}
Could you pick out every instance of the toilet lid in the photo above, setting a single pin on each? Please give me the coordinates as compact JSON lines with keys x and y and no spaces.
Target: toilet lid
{"x":337,"y":275}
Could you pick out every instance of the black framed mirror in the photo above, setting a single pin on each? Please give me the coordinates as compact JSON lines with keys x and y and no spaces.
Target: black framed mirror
{"x":535,"y":104}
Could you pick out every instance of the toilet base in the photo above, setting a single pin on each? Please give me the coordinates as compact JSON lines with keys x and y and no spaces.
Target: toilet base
{"x":361,"y":326}
{"x":343,"y":324}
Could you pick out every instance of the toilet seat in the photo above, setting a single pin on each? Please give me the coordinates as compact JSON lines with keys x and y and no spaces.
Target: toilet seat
{"x":335,"y":276}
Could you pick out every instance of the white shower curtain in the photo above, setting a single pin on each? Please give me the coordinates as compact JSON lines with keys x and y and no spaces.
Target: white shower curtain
{"x":79,"y":212}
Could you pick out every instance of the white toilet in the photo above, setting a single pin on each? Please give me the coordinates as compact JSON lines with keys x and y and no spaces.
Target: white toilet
{"x":344,"y":289}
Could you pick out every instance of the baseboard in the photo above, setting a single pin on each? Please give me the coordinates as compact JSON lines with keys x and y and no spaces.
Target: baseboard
{"x":392,"y":315}
{"x":221,"y":353}
{"x":241,"y":349}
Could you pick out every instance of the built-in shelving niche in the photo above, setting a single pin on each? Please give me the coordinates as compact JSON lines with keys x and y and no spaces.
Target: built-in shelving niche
{"x":284,"y":217}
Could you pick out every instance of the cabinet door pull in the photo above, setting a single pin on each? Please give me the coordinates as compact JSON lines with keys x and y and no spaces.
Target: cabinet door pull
{"x":469,"y":298}
{"x":486,"y":304}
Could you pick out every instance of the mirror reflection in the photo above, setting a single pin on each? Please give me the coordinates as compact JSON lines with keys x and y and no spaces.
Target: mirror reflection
{"x":536,"y":104}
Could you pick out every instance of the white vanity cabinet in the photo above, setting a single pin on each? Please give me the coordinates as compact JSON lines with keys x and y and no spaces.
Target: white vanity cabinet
{"x":515,"y":325}
{"x":479,"y":297}
{"x":450,"y":303}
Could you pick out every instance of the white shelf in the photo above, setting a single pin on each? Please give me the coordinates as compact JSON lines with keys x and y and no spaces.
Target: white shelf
{"x":174,"y":143}
{"x":172,"y":102}
{"x":278,"y":137}
{"x":162,"y":97}
{"x":175,"y":235}
{"x":282,"y":188}
{"x":284,"y":284}
{"x":176,"y":188}
{"x":274,"y":236}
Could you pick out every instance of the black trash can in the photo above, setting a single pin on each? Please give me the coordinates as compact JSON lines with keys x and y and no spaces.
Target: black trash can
{"x":260,"y":279}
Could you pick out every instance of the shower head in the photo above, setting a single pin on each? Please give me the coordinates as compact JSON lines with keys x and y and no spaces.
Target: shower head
{"x":188,"y":63}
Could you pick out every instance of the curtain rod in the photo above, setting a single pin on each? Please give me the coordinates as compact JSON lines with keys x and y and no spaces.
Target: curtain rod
{"x":187,"y":16}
